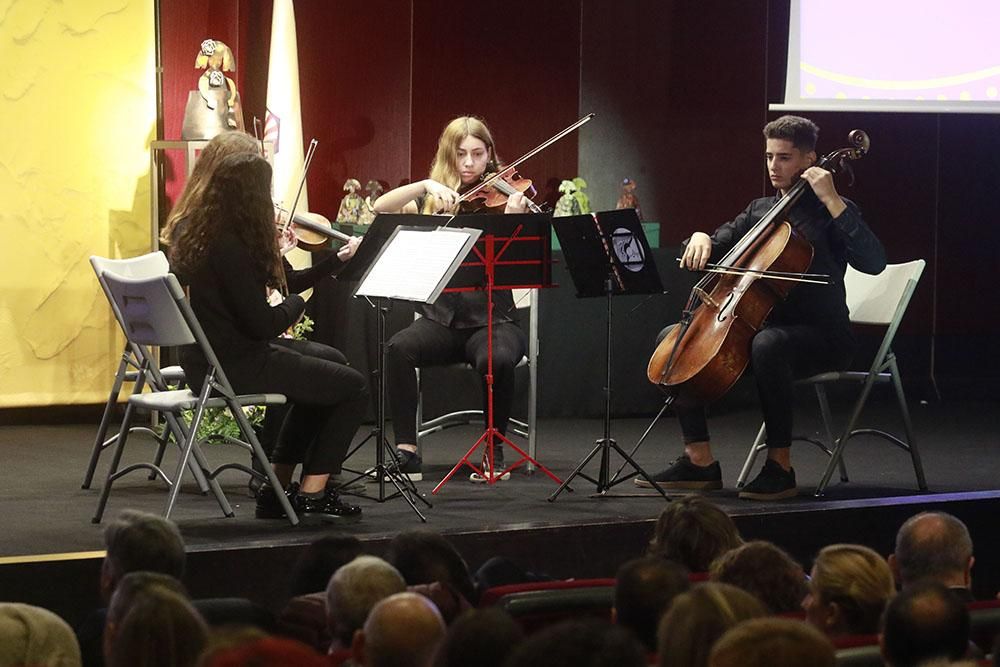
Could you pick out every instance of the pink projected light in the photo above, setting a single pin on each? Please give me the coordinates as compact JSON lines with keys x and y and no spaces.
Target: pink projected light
{"x":896,"y":50}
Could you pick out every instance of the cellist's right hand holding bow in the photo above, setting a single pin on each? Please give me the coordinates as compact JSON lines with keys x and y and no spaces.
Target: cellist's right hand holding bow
{"x":445,"y":199}
{"x":697,"y":252}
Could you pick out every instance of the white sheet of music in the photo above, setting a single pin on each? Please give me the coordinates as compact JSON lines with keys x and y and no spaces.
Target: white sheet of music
{"x":413,"y":264}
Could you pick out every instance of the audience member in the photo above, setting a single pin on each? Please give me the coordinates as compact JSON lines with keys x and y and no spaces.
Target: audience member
{"x":848,"y":590}
{"x":697,"y":619}
{"x":353,"y":591}
{"x":925,"y":621}
{"x":693,"y":532}
{"x":584,"y":643}
{"x":151,"y":623}
{"x":644,"y":589}
{"x":765,"y":571}
{"x":403,"y":630}
{"x":134,"y":542}
{"x":772,"y":642}
{"x":35,"y":636}
{"x":318,"y":561}
{"x":425,"y":557}
{"x":265,"y":652}
{"x":480,"y":637}
{"x":934,"y":546}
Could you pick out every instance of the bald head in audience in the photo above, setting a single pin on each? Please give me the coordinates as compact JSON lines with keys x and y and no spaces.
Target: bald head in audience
{"x":354,"y":589}
{"x":403,"y":630}
{"x":933,"y":546}
{"x":925,"y":621}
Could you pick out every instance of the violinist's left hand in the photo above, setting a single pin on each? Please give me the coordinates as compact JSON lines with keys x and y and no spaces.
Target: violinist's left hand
{"x":821,"y":181}
{"x":516,"y":203}
{"x":347,"y":250}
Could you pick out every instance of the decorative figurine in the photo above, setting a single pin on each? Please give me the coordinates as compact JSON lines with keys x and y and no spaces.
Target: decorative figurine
{"x":580,"y":195}
{"x":628,"y":198}
{"x":351,"y":204}
{"x":215,"y":106}
{"x":567,"y":204}
{"x":374,"y":189}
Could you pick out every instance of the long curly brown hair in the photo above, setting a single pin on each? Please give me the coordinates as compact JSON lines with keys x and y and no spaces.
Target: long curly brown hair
{"x":237,"y":200}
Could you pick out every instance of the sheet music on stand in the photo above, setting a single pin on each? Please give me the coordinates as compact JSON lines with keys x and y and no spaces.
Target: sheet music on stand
{"x":416,"y":263}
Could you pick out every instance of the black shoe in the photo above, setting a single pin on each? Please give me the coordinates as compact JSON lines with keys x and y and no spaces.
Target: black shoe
{"x":328,"y":506}
{"x":409,"y":464}
{"x":773,"y":483}
{"x":682,"y":474}
{"x":268,"y":506}
{"x":501,"y":472}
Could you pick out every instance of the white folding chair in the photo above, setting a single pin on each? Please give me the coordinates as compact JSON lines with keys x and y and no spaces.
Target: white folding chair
{"x":155,"y":312}
{"x":524,"y":300}
{"x":873,"y":300}
{"x":143,"y":266}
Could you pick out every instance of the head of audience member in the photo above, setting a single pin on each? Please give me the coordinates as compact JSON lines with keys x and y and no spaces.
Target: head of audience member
{"x":151,"y":622}
{"x":925,"y":621}
{"x":763,"y":642}
{"x":848,"y":590}
{"x":579,"y":643}
{"x":31,"y":635}
{"x":221,"y":146}
{"x":933,"y":546}
{"x":693,"y":532}
{"x":696,"y":619}
{"x":644,"y":589}
{"x":140,"y":542}
{"x":354,"y":589}
{"x":318,"y":561}
{"x":403,"y":630}
{"x":425,"y":557}
{"x":264,"y":652}
{"x":767,"y":572}
{"x":481,"y":637}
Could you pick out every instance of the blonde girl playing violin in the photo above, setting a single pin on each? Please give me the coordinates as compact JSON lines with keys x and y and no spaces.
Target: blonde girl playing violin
{"x":454,"y":328}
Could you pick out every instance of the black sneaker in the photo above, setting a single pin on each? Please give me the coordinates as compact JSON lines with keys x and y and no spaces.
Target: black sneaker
{"x":773,"y":483}
{"x":501,"y":473}
{"x":410,"y":464}
{"x":268,"y":506}
{"x":682,"y":474}
{"x":328,"y":506}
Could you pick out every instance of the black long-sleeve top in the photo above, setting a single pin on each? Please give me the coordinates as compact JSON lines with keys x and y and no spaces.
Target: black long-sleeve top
{"x":836,"y":243}
{"x":229,"y":296}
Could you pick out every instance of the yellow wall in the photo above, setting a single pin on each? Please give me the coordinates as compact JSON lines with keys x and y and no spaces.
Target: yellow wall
{"x":77,"y":113}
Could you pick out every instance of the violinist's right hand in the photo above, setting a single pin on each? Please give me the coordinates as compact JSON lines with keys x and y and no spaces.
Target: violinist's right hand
{"x":445,"y":199}
{"x":697,"y":252}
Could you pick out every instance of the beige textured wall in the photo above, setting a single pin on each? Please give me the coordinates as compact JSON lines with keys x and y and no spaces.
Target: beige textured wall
{"x":77,"y":113}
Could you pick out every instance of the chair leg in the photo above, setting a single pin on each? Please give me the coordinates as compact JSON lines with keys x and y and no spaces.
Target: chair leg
{"x":188,"y":444}
{"x":758,"y":445}
{"x":102,"y":430}
{"x":911,"y":443}
{"x":115,"y":462}
{"x":838,"y":449}
{"x":258,"y":451}
{"x":174,"y":428}
{"x":824,"y":410}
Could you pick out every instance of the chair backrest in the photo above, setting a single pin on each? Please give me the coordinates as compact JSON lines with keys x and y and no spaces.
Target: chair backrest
{"x":144,"y":266}
{"x":883,"y":298}
{"x":150,"y":309}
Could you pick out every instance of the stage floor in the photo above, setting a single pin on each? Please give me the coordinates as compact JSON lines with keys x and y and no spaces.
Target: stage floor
{"x":46,"y":512}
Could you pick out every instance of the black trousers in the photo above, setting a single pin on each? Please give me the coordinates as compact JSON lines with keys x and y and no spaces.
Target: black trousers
{"x":427,"y":343}
{"x":326,"y":403}
{"x":779,"y":354}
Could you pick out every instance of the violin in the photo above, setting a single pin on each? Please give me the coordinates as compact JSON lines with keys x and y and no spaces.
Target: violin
{"x":703,"y":356}
{"x":503,"y":184}
{"x":501,"y":187}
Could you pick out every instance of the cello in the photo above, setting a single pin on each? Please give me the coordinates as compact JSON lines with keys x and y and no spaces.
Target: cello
{"x":705,"y":354}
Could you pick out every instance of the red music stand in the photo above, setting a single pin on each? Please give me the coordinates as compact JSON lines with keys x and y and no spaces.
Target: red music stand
{"x":528,"y":240}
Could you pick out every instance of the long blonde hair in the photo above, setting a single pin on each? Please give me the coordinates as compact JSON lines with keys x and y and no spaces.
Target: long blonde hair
{"x":443,"y":167}
{"x":222,"y":145}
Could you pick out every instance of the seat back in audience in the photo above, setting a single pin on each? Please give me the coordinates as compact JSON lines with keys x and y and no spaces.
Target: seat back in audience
{"x":539,"y":605}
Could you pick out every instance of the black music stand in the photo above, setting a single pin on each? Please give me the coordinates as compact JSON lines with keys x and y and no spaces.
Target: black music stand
{"x":383,"y":229}
{"x":513,"y":252}
{"x":608,"y":254}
